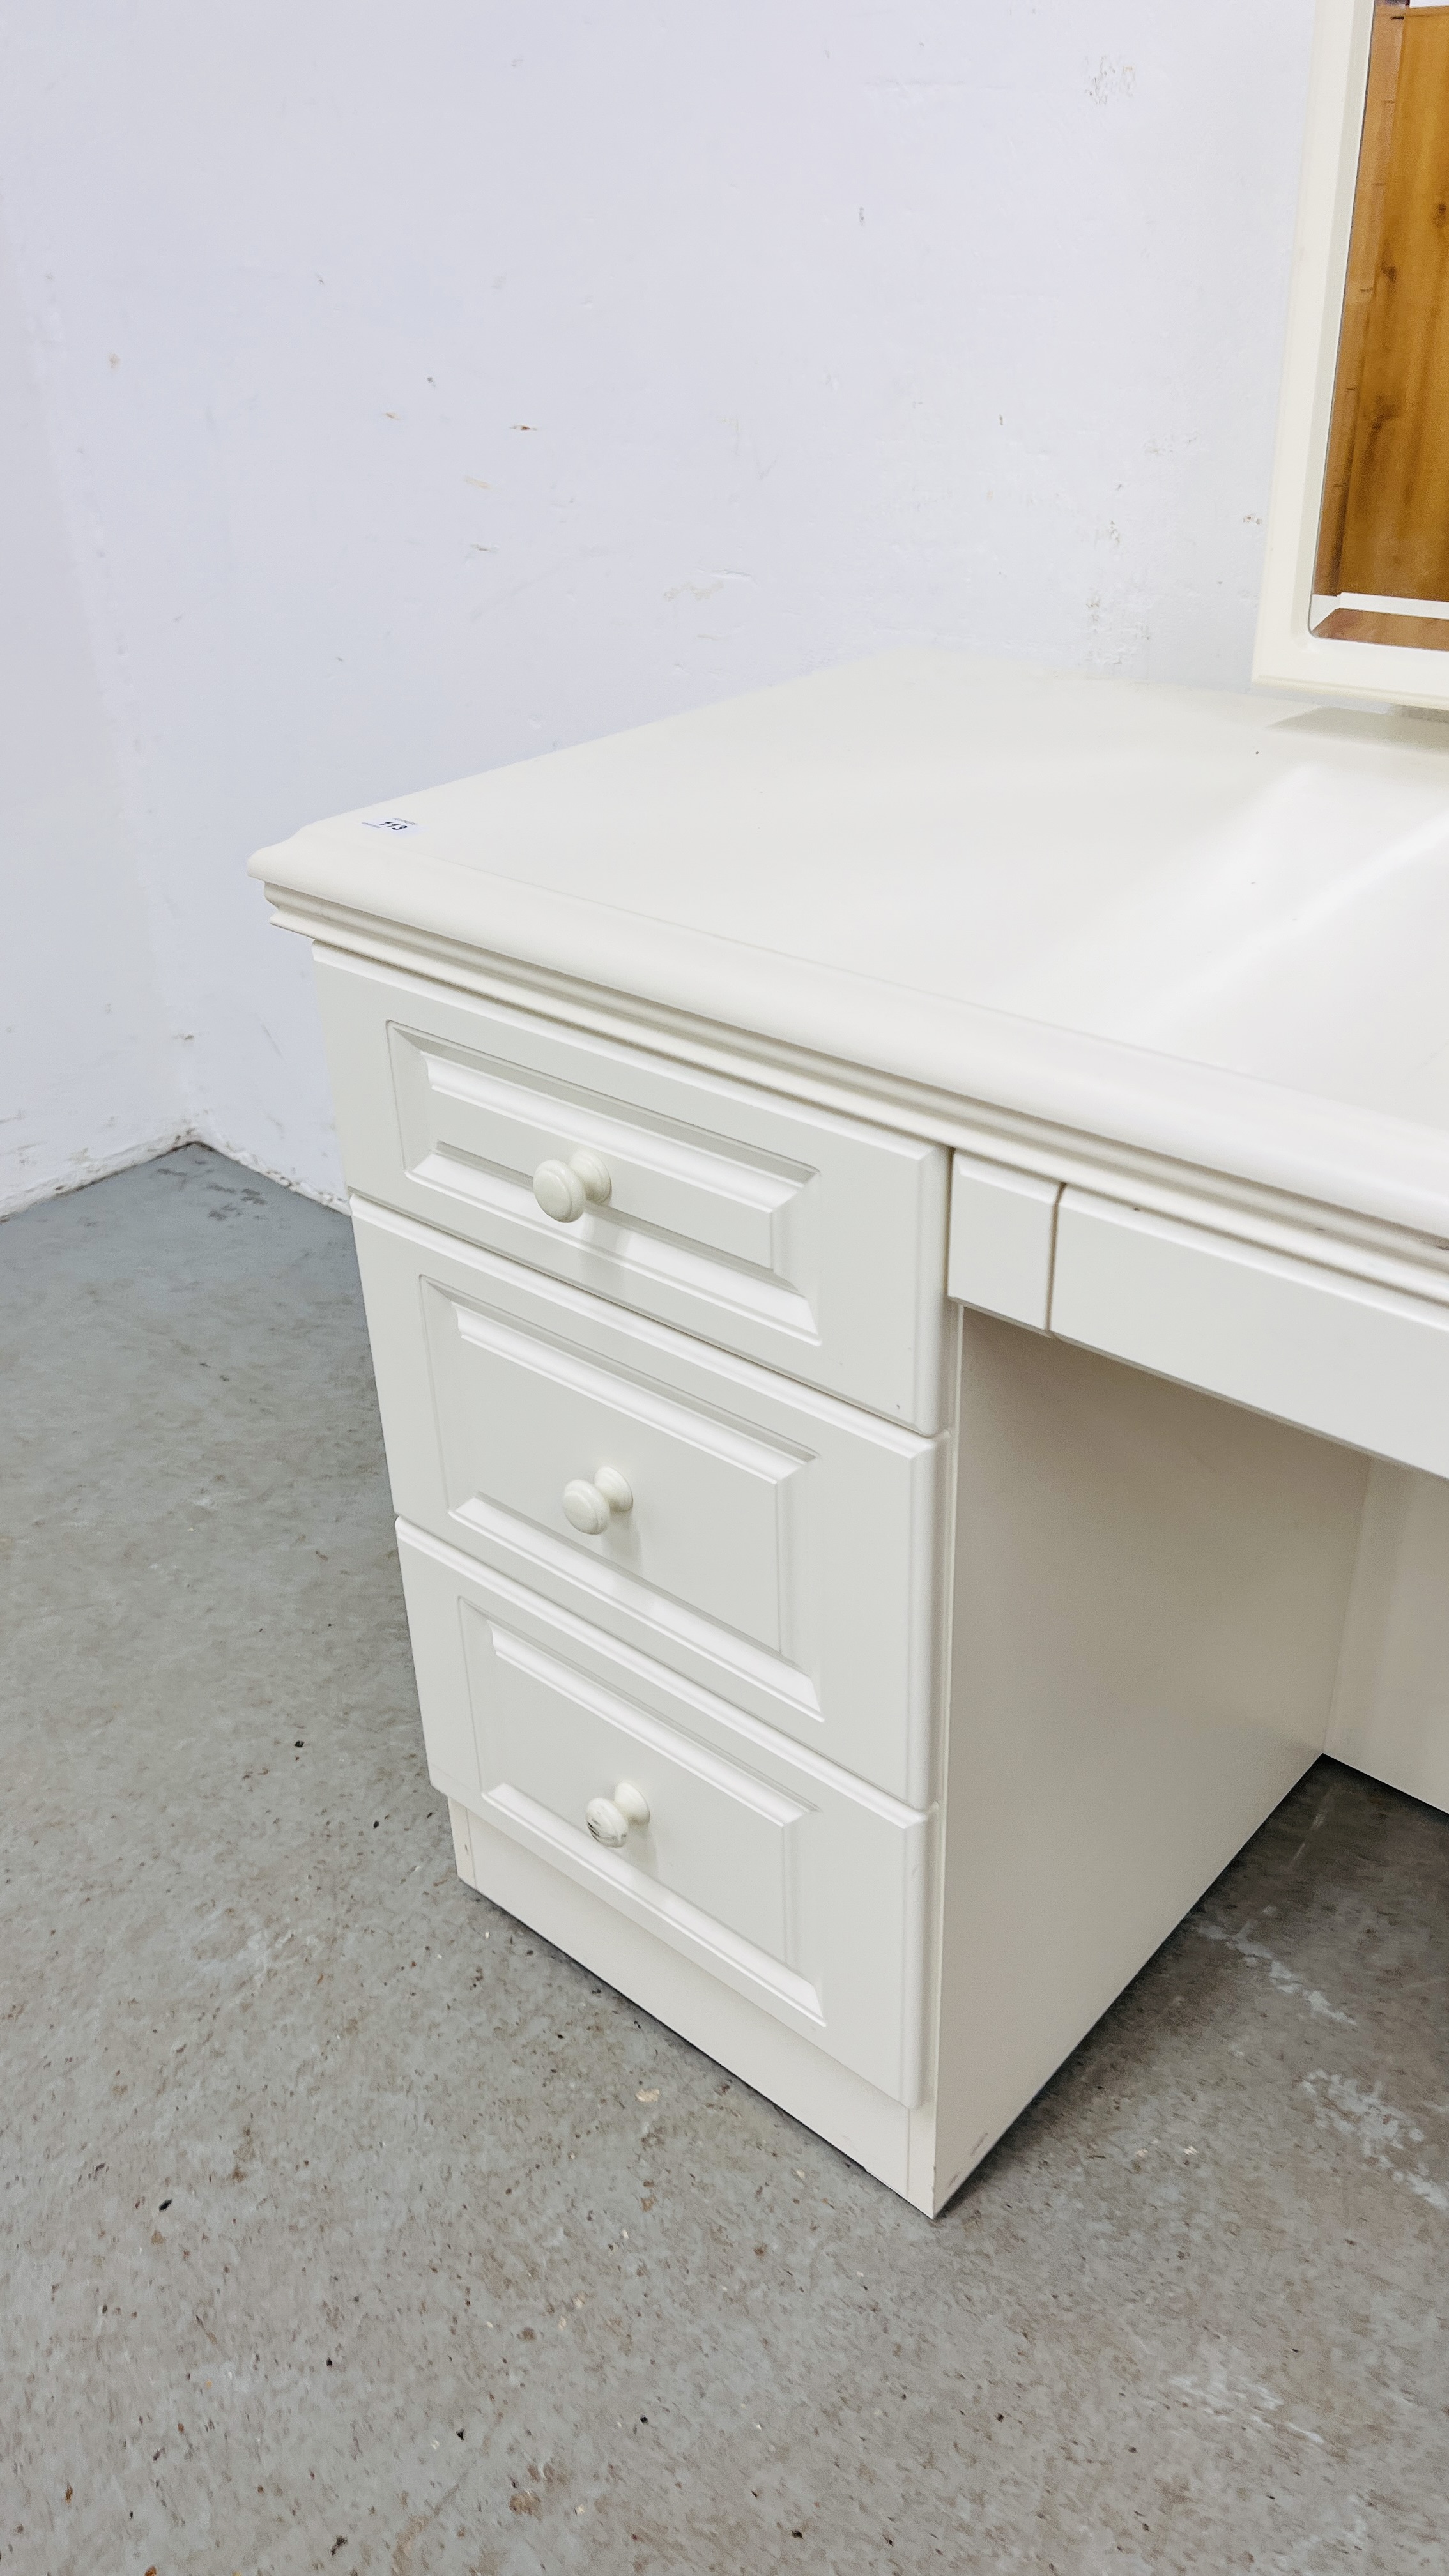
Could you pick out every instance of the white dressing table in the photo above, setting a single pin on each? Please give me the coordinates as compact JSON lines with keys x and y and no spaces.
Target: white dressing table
{"x":905,"y":1229}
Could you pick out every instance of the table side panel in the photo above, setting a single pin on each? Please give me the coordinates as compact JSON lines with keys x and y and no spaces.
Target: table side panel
{"x":1150,"y":1598}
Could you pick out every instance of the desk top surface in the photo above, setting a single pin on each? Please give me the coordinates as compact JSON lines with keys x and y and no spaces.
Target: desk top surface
{"x":1213,"y":926}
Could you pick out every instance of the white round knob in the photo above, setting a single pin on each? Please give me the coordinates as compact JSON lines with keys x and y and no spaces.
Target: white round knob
{"x":591,"y":1507}
{"x":585,"y":1506}
{"x":609,"y":1819}
{"x":564,"y":1190}
{"x":559,"y":1192}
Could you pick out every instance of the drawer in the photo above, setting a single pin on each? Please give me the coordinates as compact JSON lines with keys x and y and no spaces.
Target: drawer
{"x":812,"y":1243}
{"x":778,"y":1546}
{"x":800,"y":1888}
{"x":1365,"y":1365}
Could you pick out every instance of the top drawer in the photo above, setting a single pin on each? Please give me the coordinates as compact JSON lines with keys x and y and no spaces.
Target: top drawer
{"x":810,"y":1242}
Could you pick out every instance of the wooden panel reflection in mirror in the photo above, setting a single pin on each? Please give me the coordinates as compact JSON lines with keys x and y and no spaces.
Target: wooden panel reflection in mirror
{"x":1384,"y":531}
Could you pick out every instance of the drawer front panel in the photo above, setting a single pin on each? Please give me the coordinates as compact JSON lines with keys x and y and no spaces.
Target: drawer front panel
{"x":798,"y":1887}
{"x":520,"y":1415}
{"x":812,"y":1243}
{"x":779,"y":1546}
{"x":1359,"y":1363}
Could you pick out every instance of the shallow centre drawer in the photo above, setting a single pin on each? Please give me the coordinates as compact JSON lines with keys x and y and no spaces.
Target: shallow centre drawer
{"x":1363,"y":1364}
{"x":798,"y":1887}
{"x":772,"y":1543}
{"x":811,"y":1242}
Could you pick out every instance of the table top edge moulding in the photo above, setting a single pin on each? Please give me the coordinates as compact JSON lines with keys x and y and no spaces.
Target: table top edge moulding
{"x":1096,"y":901}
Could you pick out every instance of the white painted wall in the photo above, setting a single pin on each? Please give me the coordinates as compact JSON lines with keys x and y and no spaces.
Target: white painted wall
{"x":87,"y":1079}
{"x":432,"y":385}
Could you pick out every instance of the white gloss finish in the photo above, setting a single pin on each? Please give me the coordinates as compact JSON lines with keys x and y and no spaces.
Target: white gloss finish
{"x":590,"y":1503}
{"x":1359,"y":1362}
{"x":811,"y":1242}
{"x":797,"y":1886}
{"x":1197,"y":925}
{"x":781,"y":1543}
{"x":585,"y":1508}
{"x":564,"y":1190}
{"x":559,"y":1192}
{"x":1003,"y":1228}
{"x":952,"y":1659}
{"x":617,"y":1491}
{"x":606,"y":1823}
{"x":611,"y":1820}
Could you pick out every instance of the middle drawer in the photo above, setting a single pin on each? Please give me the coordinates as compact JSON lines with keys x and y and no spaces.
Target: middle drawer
{"x":766,"y":1540}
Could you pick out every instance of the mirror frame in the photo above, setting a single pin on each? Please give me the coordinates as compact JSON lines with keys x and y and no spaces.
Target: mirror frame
{"x":1286,"y":654}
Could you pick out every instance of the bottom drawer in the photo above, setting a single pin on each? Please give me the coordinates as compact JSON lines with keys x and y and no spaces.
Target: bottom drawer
{"x":792,"y":1882}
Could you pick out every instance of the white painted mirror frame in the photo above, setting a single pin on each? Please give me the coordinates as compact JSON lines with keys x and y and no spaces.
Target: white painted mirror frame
{"x":1286,"y":655}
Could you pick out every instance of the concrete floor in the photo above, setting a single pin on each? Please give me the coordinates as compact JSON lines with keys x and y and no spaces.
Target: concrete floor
{"x":342,"y":2227}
